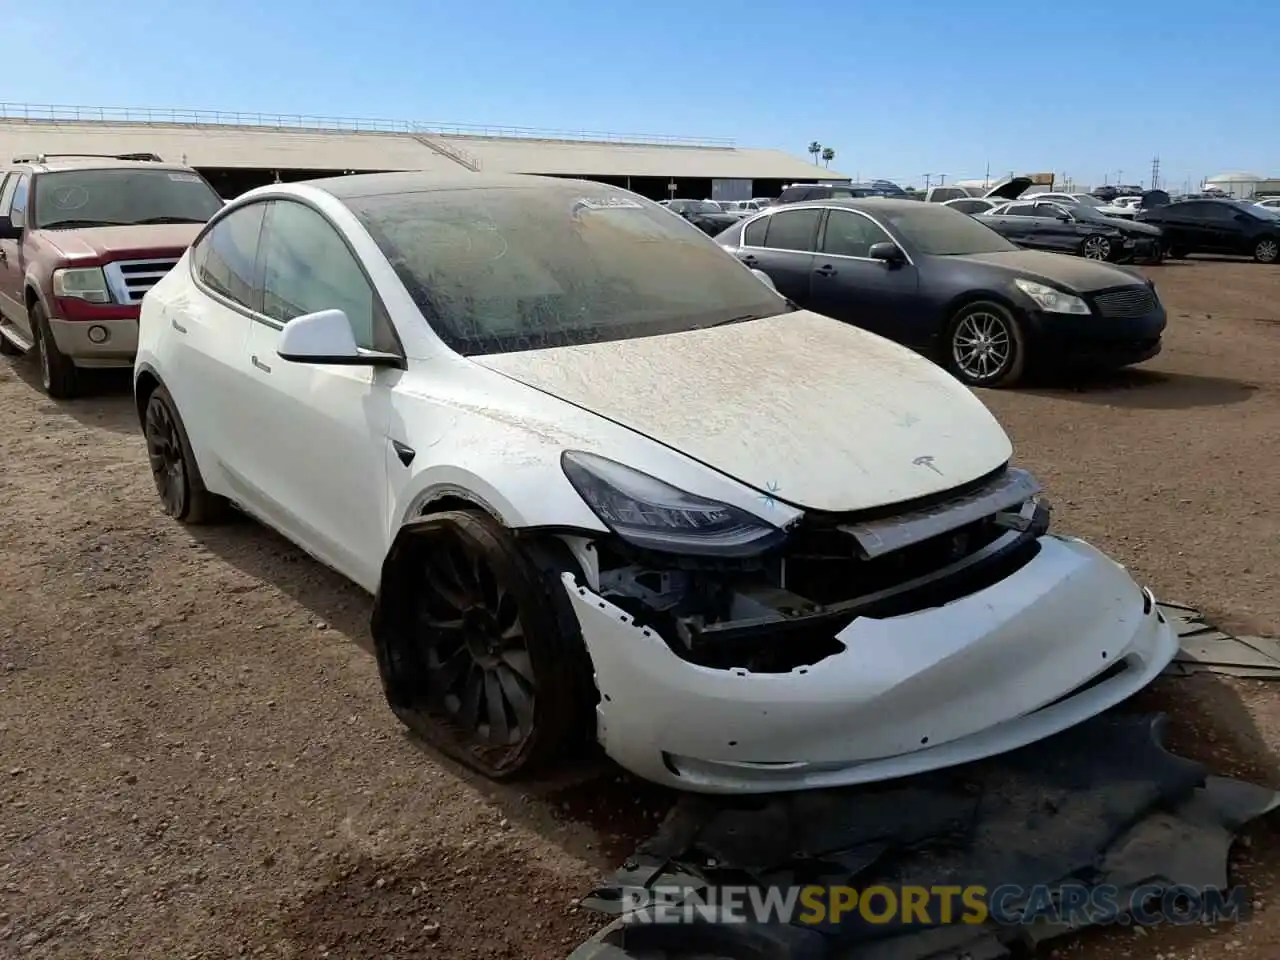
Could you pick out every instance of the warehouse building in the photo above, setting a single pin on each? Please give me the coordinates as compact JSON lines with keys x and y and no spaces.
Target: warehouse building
{"x":239,"y":151}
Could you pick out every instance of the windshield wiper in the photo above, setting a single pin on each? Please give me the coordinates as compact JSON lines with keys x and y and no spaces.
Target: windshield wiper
{"x":170,"y":220}
{"x":791,"y":308}
{"x":73,"y":224}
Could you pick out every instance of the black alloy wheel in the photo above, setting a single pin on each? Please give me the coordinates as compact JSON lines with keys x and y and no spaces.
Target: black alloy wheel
{"x":164,"y":450}
{"x":173,"y":466}
{"x":480,"y":661}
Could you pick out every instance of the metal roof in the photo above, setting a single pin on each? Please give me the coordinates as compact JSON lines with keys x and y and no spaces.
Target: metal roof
{"x":260,"y":146}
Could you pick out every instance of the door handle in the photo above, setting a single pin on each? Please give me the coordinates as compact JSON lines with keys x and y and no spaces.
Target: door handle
{"x":750,"y":260}
{"x":177,"y":326}
{"x":259,"y":364}
{"x":3,"y":254}
{"x":826,"y":270}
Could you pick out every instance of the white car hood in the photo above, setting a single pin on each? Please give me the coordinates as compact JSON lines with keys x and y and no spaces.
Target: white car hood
{"x":809,"y":410}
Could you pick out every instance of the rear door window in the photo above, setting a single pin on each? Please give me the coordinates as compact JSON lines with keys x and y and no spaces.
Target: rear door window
{"x":793,"y":230}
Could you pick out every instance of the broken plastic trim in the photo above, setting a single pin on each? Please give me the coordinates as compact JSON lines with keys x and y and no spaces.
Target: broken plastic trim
{"x":993,"y":562}
{"x":883,"y":535}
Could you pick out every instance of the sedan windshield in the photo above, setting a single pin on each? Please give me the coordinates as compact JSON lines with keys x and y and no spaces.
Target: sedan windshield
{"x":1087,"y":201}
{"x":942,"y":231}
{"x":497,"y":270}
{"x":122,"y":196}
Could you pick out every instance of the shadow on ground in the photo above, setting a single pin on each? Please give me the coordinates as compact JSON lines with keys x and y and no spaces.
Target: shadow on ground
{"x":1142,"y":389}
{"x":105,"y":401}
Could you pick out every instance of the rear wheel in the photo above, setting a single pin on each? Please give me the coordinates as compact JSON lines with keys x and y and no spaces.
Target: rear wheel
{"x":58,"y":375}
{"x":985,"y":346}
{"x":1096,"y":248}
{"x":1266,"y":250}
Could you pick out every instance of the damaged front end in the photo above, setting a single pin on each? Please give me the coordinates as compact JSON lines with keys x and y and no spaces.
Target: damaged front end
{"x":783,"y":605}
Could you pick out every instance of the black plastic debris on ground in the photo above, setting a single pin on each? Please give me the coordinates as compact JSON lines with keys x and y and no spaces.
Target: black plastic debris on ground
{"x":1207,"y":649}
{"x":1102,"y":804}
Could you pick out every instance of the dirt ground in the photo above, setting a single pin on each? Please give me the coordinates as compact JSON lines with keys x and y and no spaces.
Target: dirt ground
{"x":196,"y":759}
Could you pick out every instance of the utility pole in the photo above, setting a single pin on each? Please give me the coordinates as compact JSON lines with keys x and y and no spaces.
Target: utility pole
{"x":1155,"y":173}
{"x":928,"y":181}
{"x":942,"y":179}
{"x":1119,"y":177}
{"x":986,"y":180}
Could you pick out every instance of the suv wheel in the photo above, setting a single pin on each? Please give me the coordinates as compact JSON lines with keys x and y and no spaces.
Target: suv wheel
{"x":58,"y":374}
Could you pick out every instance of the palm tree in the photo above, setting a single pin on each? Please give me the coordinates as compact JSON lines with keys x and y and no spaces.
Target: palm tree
{"x":815,"y":148}
{"x":827,"y":156}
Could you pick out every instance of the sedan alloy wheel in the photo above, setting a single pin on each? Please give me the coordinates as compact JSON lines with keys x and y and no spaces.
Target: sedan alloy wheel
{"x":1267,"y":251}
{"x":984,"y":346}
{"x":1096,"y":248}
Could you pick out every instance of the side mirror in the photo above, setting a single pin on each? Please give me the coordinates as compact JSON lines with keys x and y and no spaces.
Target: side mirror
{"x":325,"y":338}
{"x":1065,"y":217}
{"x":890,"y":253}
{"x":8,"y":231}
{"x":765,"y":279}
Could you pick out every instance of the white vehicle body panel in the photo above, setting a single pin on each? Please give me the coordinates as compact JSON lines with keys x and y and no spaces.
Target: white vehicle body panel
{"x":912,"y":693}
{"x":775,"y":417}
{"x":838,"y":417}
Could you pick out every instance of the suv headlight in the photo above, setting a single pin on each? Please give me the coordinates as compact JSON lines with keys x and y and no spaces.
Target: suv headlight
{"x":1052,"y":301}
{"x":82,"y":283}
{"x":652,"y":514}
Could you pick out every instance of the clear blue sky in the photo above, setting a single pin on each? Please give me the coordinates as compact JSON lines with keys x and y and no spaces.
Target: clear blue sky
{"x":896,"y":89}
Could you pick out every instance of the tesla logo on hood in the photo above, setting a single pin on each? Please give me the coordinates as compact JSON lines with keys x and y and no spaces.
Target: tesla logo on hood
{"x":926,"y":462}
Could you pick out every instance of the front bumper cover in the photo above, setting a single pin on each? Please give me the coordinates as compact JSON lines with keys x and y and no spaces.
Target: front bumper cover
{"x":1060,"y":640}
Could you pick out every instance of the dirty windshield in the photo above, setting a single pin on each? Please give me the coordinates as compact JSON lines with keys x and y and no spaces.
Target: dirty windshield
{"x":502,"y":269}
{"x":939,"y":231}
{"x":68,"y":199}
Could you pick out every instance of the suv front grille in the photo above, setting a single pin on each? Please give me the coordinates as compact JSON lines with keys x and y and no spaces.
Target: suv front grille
{"x":131,"y":279}
{"x":1123,"y":303}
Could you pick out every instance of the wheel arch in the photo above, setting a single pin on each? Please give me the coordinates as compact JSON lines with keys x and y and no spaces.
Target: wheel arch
{"x":145,"y":382}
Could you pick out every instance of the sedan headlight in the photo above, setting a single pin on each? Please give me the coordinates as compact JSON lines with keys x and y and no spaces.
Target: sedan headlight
{"x":652,"y":514}
{"x":82,"y":283}
{"x":1050,"y":300}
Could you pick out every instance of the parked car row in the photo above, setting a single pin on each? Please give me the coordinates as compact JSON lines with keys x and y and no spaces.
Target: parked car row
{"x":588,"y":464}
{"x":1081,"y":229}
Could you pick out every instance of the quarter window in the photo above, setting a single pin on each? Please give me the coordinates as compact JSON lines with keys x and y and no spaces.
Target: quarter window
{"x":225,"y":257}
{"x":1019,"y":210}
{"x":308,"y":267}
{"x":793,"y":230}
{"x":753,"y":235}
{"x":851,"y":235}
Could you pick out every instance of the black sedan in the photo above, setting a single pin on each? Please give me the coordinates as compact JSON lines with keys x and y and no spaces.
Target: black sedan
{"x":1217,"y":226}
{"x":1074,"y":228}
{"x":707,"y":215}
{"x":942,"y":282}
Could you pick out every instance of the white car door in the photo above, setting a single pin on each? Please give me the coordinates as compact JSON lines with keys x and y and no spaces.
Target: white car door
{"x":206,"y":369}
{"x":320,"y":433}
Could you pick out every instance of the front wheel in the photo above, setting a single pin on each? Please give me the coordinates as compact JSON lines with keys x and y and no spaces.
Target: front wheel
{"x":985,"y":346}
{"x":474,"y":655}
{"x":58,"y":375}
{"x":1096,"y":248}
{"x":1266,"y":250}
{"x":173,"y":465}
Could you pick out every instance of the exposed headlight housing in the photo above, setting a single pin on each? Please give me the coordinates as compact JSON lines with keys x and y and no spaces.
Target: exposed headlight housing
{"x":1051,"y":300}
{"x":82,"y":283}
{"x":649,"y":513}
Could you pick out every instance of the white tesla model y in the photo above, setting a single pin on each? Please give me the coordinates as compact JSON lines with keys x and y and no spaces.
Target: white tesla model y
{"x":606,"y":483}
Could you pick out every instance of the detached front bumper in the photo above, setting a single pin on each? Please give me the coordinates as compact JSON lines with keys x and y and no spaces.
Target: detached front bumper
{"x":1060,"y":640}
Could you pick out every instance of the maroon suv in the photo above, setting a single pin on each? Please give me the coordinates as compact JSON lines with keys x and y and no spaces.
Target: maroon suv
{"x":82,"y":239}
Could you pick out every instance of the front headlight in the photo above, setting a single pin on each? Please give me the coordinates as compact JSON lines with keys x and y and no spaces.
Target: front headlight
{"x":82,"y":283}
{"x":1050,"y":300}
{"x":652,"y":514}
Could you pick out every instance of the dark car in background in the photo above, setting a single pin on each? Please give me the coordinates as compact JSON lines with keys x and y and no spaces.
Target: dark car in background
{"x":941,"y":281}
{"x":1216,"y":226}
{"x":1075,"y":229}
{"x":707,"y":215}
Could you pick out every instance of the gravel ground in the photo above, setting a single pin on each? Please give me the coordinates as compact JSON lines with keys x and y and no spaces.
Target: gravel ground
{"x":196,"y":759}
